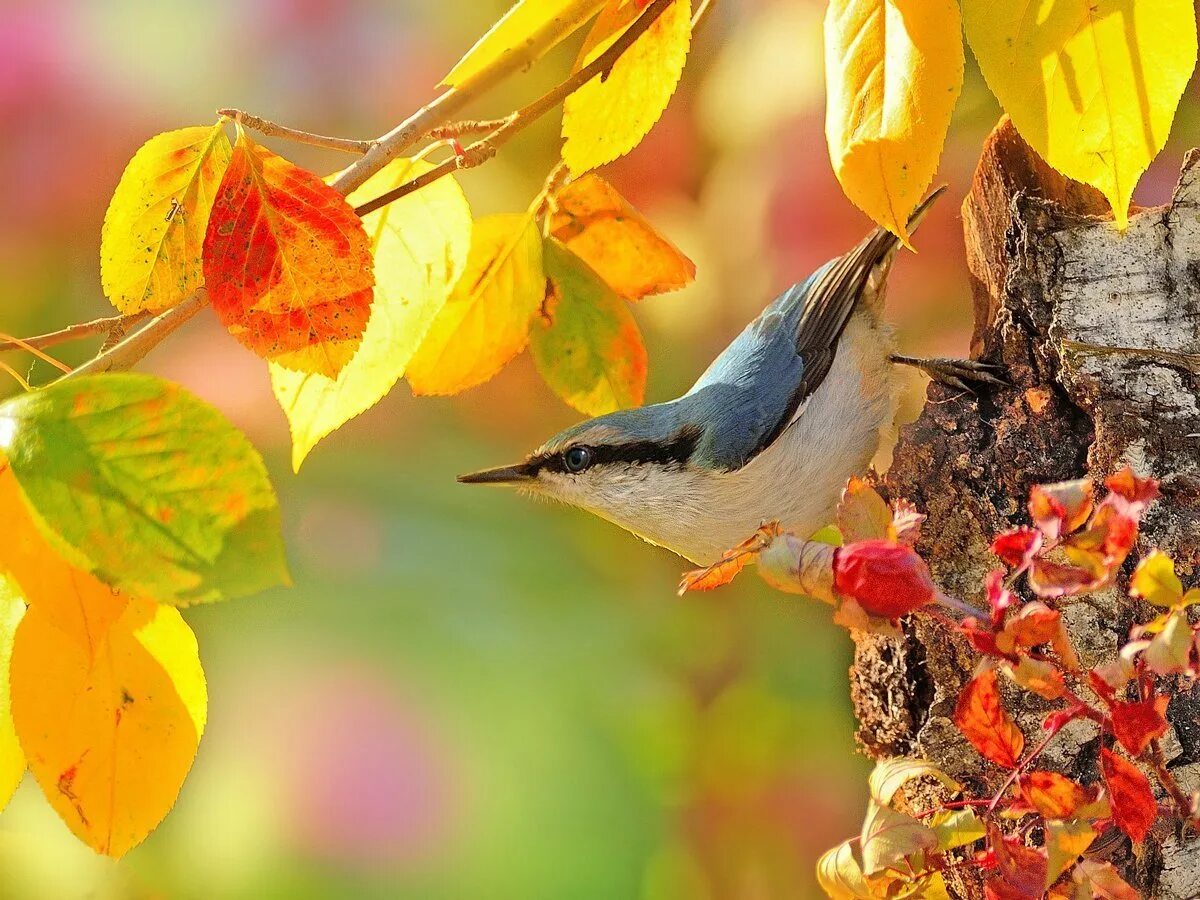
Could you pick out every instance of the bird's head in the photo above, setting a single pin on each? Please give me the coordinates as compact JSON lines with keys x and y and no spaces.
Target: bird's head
{"x":619,"y":466}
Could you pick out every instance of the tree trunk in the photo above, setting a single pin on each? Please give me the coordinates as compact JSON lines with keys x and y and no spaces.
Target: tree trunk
{"x":1057,"y":291}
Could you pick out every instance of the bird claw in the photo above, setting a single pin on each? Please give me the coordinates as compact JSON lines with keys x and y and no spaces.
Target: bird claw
{"x":960,"y":374}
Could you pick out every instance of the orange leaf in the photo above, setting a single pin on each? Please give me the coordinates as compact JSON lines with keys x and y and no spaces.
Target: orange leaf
{"x":1133,"y":805}
{"x":287,"y":263}
{"x":980,"y":715}
{"x":612,"y":237}
{"x":1055,"y":796}
{"x":731,"y":563}
{"x":862,"y":514}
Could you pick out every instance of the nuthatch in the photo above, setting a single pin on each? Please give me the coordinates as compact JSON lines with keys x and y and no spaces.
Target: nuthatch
{"x":799,"y":402}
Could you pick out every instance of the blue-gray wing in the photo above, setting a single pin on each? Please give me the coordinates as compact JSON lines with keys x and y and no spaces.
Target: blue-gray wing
{"x":753,"y":390}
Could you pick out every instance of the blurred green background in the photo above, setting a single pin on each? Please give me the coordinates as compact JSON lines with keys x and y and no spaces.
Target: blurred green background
{"x":467,"y":695}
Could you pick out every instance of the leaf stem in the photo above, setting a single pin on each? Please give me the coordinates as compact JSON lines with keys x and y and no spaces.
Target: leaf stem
{"x":274,"y":129}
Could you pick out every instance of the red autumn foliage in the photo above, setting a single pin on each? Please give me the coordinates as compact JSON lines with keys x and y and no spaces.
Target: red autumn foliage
{"x":887,"y":578}
{"x":1053,"y":795}
{"x":981,"y":717}
{"x":1137,"y":724}
{"x":1133,"y":805}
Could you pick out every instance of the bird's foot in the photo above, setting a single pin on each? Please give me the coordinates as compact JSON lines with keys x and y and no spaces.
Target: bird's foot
{"x":961,"y":374}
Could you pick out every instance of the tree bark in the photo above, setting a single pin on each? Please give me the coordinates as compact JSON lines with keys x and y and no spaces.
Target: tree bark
{"x":1061,"y":299}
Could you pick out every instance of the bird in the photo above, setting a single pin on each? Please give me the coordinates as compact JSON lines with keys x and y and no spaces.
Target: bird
{"x":798,"y":403}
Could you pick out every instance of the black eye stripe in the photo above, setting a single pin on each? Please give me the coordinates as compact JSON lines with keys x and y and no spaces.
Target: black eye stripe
{"x":678,"y":451}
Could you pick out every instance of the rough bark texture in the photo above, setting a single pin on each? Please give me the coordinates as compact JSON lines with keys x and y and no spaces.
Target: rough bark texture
{"x":1056,"y":289}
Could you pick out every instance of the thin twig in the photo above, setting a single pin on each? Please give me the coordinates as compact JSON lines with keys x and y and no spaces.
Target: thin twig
{"x":274,"y":129}
{"x":486,"y":147}
{"x":73,"y":332}
{"x":15,"y":374}
{"x":40,"y":354}
{"x":447,"y":105}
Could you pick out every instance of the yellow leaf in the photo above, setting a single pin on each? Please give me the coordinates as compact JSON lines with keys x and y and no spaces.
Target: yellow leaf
{"x":1155,"y":580}
{"x":587,"y":346}
{"x":840,"y":875}
{"x":420,"y":244}
{"x":532,"y":27}
{"x":608,"y":117}
{"x":109,"y":739}
{"x":1065,"y":843}
{"x":893,"y":71}
{"x":485,"y":323}
{"x":12,"y":760}
{"x":153,"y":235}
{"x":1092,"y":85}
{"x":601,"y":228}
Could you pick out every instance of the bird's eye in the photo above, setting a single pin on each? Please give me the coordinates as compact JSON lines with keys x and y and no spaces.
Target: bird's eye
{"x":577,"y":459}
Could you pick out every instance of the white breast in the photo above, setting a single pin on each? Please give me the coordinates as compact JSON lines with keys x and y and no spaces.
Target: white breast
{"x":798,"y":479}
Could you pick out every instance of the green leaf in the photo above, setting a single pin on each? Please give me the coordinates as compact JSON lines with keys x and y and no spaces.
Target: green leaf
{"x":590,"y":352}
{"x":142,"y":483}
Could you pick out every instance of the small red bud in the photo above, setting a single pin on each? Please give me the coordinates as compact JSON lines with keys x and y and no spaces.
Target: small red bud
{"x":887,"y":578}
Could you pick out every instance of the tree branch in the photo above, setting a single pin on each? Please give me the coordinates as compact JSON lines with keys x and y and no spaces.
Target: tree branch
{"x":274,"y":129}
{"x":81,"y":330}
{"x":437,"y":113}
{"x":134,"y":348}
{"x":485,"y":148}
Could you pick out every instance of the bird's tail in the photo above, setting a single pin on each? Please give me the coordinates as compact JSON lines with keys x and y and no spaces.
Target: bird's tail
{"x":878,"y":249}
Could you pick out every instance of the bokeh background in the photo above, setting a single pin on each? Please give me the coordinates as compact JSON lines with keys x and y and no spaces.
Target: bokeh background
{"x":467,"y":695}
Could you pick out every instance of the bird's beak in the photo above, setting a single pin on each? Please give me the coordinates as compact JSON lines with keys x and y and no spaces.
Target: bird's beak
{"x":503,"y":475}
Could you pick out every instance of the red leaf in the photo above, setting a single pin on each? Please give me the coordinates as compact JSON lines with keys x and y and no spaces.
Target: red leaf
{"x":980,"y":715}
{"x":287,"y":263}
{"x":1049,"y":579}
{"x":1053,"y":795}
{"x":887,"y":578}
{"x":1018,"y":547}
{"x":1022,"y":870}
{"x":1137,"y":724}
{"x":1133,"y":805}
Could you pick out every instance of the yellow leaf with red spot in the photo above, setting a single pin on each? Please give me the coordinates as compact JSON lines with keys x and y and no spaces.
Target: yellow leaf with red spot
{"x":893,"y":72}
{"x":420,"y":244}
{"x":531,"y":27}
{"x":287,"y":263}
{"x":607,"y":117}
{"x":485,"y":323}
{"x":152,"y":242}
{"x":110,"y":737}
{"x":599,"y":226}
{"x":587,"y":345}
{"x":12,"y":759}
